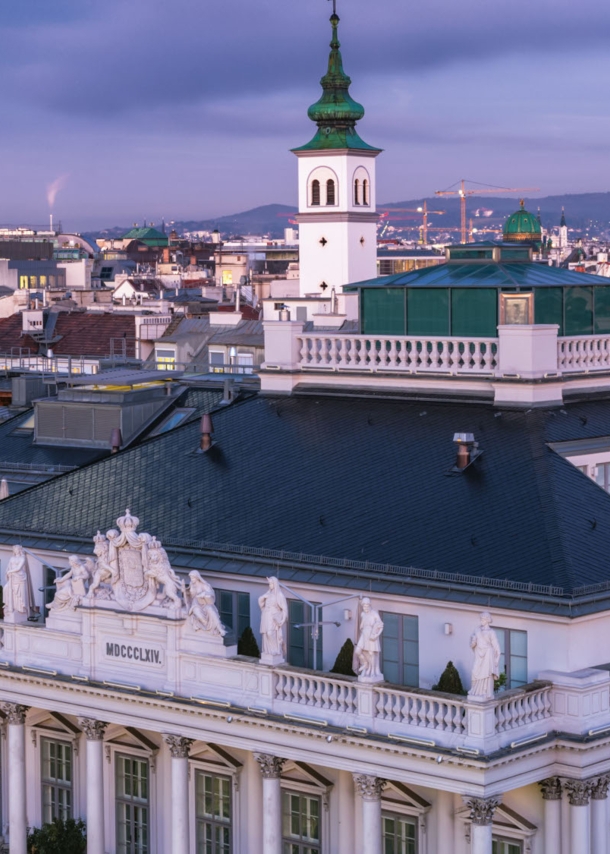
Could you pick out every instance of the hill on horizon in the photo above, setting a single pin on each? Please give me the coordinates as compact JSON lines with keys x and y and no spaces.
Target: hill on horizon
{"x":582,"y":209}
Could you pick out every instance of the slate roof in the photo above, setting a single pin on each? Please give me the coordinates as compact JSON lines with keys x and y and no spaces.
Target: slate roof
{"x":357,"y":479}
{"x":492,"y":275}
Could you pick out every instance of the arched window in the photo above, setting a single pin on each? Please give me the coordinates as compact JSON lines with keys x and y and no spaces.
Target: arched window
{"x":330,"y":192}
{"x":356,"y":192}
{"x":365,"y":192}
{"x":315,"y":192}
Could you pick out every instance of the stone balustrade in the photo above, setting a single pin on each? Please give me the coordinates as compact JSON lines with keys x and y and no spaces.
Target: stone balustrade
{"x":396,"y":353}
{"x":583,"y":353}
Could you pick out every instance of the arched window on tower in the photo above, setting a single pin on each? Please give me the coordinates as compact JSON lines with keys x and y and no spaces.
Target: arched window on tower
{"x":356,"y":192}
{"x":365,"y":192}
{"x":315,"y":192}
{"x":330,"y":192}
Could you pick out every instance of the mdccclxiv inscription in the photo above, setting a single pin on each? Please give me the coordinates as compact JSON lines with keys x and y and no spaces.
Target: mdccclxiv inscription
{"x":129,"y":652}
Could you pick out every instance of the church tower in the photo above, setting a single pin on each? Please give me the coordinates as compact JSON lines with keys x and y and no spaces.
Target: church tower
{"x":337,"y":215}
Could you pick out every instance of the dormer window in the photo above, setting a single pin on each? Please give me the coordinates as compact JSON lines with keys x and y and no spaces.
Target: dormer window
{"x":315,"y":193}
{"x":330,"y":192}
{"x":356,"y":192}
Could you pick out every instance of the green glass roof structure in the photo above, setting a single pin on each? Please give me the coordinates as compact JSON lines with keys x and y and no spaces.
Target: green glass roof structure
{"x":336,"y":112}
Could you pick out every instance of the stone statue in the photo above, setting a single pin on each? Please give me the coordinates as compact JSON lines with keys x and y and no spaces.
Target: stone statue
{"x":132,"y":588}
{"x":103,"y":571}
{"x":203,"y":614}
{"x":274,"y":614}
{"x":18,"y":594}
{"x":160,"y":571}
{"x":486,"y":668}
{"x":368,"y":648}
{"x":71,"y":589}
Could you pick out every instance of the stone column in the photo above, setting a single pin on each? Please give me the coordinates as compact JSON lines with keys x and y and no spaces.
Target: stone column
{"x":17,"y":791}
{"x":94,"y":733}
{"x":179,"y":748}
{"x":579,"y":792}
{"x":370,"y":788}
{"x":271,"y":771}
{"x":599,"y":814}
{"x":482,"y":816}
{"x":551,"y":794}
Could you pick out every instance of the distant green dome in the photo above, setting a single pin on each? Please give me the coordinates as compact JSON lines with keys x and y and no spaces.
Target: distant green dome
{"x":522,"y":225}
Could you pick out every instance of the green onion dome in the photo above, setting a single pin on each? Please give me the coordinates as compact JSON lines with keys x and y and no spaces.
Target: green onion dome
{"x":522,"y":225}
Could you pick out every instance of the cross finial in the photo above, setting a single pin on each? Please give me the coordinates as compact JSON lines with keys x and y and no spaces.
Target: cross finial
{"x":334,"y":7}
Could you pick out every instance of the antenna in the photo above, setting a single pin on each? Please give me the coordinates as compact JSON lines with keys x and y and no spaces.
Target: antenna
{"x":334,"y":7}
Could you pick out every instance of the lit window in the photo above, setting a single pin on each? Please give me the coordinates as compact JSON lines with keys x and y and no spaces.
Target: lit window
{"x":214,"y":813}
{"x":315,"y":192}
{"x":300,"y":823}
{"x":23,"y":282}
{"x":330,"y":192}
{"x":165,"y":359}
{"x":131,"y":805}
{"x":43,"y":281}
{"x":513,"y":659}
{"x":356,"y":192}
{"x":56,"y":780}
{"x":227,"y":277}
{"x":365,"y":192}
{"x":33,"y":281}
{"x":217,"y":362}
{"x":399,"y":833}
{"x":245,"y":362}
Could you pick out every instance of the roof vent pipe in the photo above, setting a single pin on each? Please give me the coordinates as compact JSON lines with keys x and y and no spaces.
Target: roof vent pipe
{"x":206,"y":432}
{"x":464,"y":441}
{"x":116,"y":440}
{"x":284,"y":313}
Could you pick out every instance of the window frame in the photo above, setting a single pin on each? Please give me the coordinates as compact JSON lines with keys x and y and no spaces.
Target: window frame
{"x":401,"y":642}
{"x":331,"y":193}
{"x":399,"y":799}
{"x":508,"y":840}
{"x":509,"y":655}
{"x":307,"y":638}
{"x":46,"y":738}
{"x":198,"y":772}
{"x":401,"y":815}
{"x":221,"y":768}
{"x":304,"y":844}
{"x":315,"y":199}
{"x":237,"y":612}
{"x":126,"y":751}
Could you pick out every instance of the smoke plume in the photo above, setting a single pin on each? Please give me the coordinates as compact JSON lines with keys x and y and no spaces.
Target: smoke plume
{"x":54,"y":188}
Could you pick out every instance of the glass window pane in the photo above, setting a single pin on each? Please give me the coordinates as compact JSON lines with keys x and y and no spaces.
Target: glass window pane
{"x":383,"y":311}
{"x":579,"y":311}
{"x":548,"y":306}
{"x":602,"y":309}
{"x":428,"y":311}
{"x":474,"y":311}
{"x":518,"y":643}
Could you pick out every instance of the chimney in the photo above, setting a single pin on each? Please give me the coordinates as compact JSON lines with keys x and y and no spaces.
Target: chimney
{"x":466,"y":444}
{"x":166,"y":255}
{"x":116,"y":440}
{"x":206,"y":432}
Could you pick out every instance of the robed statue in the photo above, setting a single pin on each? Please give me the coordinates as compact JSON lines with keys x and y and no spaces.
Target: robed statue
{"x":486,"y":667}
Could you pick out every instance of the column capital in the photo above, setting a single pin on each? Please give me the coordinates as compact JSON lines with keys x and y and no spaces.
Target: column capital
{"x":482,"y":810}
{"x":599,"y":787}
{"x":271,"y":766}
{"x":15,"y":714}
{"x":579,"y":792}
{"x":94,"y":730}
{"x":368,"y":787}
{"x":551,"y":789}
{"x":179,"y":747}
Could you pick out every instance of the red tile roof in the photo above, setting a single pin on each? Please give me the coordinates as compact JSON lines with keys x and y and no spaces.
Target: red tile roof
{"x":11,"y":337}
{"x":85,"y":334}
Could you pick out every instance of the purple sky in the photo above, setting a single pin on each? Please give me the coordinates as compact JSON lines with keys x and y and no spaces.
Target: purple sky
{"x":187,"y":109}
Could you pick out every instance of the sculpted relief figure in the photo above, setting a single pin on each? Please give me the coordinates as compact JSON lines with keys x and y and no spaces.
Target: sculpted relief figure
{"x":71,"y":587}
{"x":202,"y":612}
{"x":486,"y":668}
{"x":18,"y":594}
{"x":103,"y":573}
{"x":368,"y":648}
{"x":274,"y":614}
{"x":160,"y":571}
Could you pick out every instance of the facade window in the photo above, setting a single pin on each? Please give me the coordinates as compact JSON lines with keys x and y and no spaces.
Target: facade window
{"x":365,"y":192}
{"x":33,"y":281}
{"x":56,"y":779}
{"x":300,"y":641}
{"x":166,"y":359}
{"x":505,"y":846}
{"x":513,"y":661}
{"x":300,"y":824}
{"x":227,"y":277}
{"x":217,"y":362}
{"x":602,"y":475}
{"x":399,"y":834}
{"x":234,"y":610}
{"x":23,"y":282}
{"x":43,"y":281}
{"x":315,"y":192}
{"x":330,"y":192}
{"x":245,"y":362}
{"x":356,"y":192}
{"x":400,"y":649}
{"x":132,"y":835}
{"x":52,"y":281}
{"x":213,"y":813}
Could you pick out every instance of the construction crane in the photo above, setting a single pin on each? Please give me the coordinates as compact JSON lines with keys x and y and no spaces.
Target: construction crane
{"x":423,"y":209}
{"x":462,"y":192}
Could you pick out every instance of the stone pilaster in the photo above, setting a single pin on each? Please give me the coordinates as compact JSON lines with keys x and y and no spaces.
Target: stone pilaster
{"x":579,"y":796}
{"x":551,"y":789}
{"x":482,"y":815}
{"x":15,"y":714}
{"x":94,"y":730}
{"x":270,"y":766}
{"x":271,"y":772}
{"x":370,"y":789}
{"x":94,"y":733}
{"x":179,"y":747}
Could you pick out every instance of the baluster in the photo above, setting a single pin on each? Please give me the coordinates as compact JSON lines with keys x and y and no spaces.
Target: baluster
{"x":392,"y":354}
{"x":304,"y":351}
{"x":443,"y":354}
{"x":332,"y":352}
{"x":279,"y":686}
{"x":499,"y":717}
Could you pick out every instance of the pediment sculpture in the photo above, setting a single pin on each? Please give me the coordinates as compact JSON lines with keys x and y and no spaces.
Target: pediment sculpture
{"x":131,"y":570}
{"x":18,"y":593}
